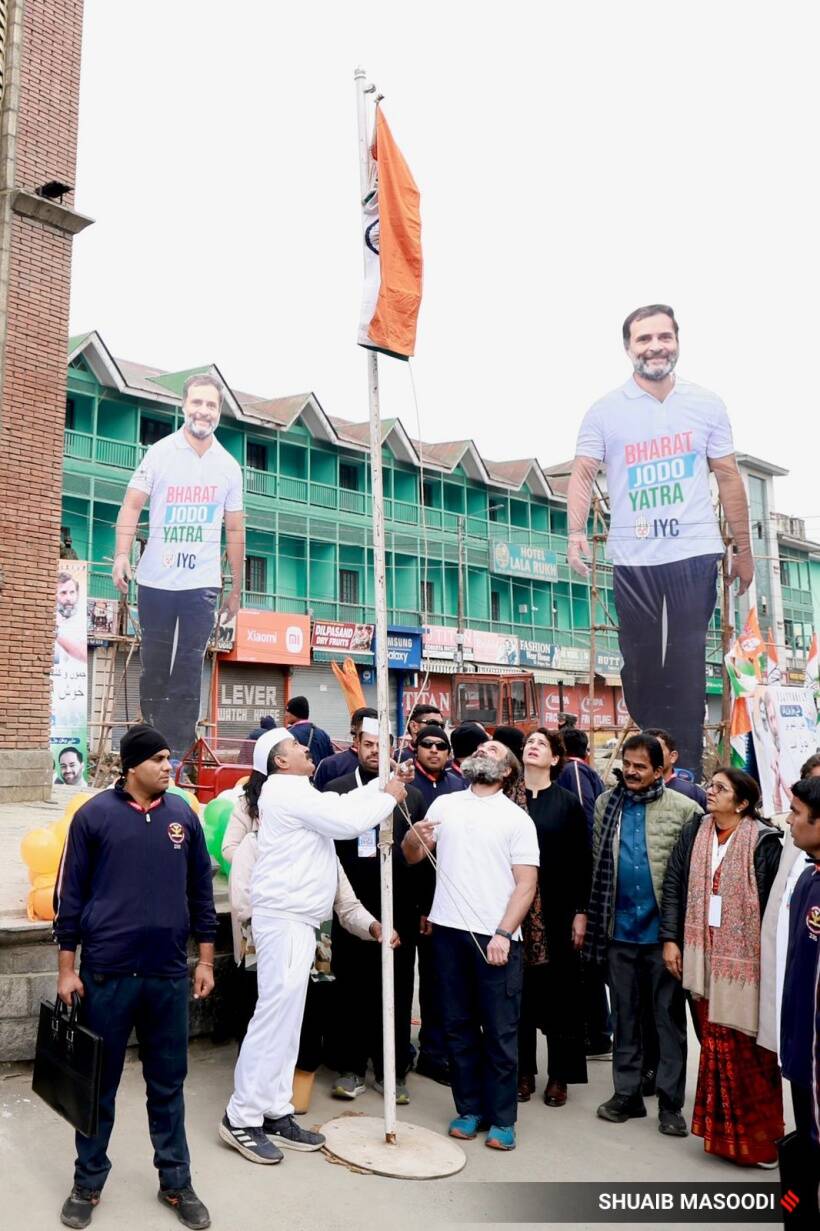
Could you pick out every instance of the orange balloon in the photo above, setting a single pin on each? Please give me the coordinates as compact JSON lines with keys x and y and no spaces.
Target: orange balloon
{"x":41,"y":850}
{"x":40,"y":901}
{"x":76,"y":802}
{"x":60,"y":830}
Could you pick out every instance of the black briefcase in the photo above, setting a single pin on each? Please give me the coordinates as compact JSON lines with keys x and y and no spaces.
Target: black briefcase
{"x":67,"y":1066}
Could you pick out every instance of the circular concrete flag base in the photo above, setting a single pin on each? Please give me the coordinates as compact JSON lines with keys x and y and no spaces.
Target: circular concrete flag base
{"x":418,"y":1153}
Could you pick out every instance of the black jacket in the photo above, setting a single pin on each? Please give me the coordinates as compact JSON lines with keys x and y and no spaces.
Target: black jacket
{"x":412,"y":896}
{"x":676,"y":880}
{"x":132,"y":885}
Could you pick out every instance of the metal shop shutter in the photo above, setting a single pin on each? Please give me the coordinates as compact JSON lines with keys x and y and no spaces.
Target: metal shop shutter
{"x":328,"y":708}
{"x":246,"y":693}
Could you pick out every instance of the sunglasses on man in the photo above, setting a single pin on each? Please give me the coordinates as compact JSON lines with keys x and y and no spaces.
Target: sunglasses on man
{"x":433,"y":743}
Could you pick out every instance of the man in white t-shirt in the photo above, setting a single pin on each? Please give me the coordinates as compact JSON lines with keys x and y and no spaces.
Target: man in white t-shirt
{"x":193,"y":484}
{"x":660,"y":438}
{"x":487,"y":857}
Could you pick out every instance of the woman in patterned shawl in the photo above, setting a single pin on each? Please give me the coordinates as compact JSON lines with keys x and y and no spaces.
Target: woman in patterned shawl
{"x":715,"y":891}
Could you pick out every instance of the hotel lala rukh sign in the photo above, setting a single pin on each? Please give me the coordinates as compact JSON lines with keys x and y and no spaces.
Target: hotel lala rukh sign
{"x":522,"y":560}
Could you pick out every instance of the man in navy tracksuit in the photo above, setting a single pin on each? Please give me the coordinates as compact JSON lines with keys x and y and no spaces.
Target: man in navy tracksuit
{"x":800,"y":1010}
{"x":134,"y":881}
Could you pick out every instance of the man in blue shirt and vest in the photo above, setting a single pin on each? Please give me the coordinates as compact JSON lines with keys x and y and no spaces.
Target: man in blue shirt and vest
{"x":134,"y":882}
{"x":636,"y":826}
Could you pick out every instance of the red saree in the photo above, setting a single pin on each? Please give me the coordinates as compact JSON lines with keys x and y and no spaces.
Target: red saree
{"x":739,"y":1098}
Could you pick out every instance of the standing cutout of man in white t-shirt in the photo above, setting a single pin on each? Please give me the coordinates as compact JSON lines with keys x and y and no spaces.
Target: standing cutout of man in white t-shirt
{"x":193,"y":485}
{"x":660,"y":438}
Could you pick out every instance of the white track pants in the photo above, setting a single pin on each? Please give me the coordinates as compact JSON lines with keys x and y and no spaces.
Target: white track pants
{"x":263,"y":1078}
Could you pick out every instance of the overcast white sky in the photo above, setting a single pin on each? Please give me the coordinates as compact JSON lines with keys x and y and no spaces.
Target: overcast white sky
{"x":574,"y":161}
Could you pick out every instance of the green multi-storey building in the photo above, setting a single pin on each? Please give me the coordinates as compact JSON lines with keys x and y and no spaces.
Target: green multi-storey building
{"x":308,"y":514}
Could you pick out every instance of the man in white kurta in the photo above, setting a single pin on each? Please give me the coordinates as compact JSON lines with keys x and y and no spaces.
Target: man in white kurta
{"x":292,"y":891}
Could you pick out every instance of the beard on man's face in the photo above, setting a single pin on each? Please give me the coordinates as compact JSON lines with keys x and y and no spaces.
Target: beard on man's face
{"x":641,"y":364}
{"x":483,"y":769}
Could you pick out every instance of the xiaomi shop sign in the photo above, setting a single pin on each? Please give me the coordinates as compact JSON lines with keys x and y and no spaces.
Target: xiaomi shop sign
{"x":269,"y":637}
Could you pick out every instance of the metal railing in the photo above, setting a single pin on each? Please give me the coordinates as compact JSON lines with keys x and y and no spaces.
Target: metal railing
{"x":82,"y":446}
{"x":126,"y":455}
{"x":260,"y":482}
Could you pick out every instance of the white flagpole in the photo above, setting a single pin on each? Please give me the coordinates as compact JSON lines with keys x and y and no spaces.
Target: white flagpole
{"x":382,"y":689}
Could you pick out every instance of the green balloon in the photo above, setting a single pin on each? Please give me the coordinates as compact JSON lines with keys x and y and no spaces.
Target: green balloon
{"x":214,"y":823}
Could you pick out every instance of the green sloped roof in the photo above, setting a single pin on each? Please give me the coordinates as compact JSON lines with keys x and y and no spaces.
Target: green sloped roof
{"x":77,"y":340}
{"x":173,"y":381}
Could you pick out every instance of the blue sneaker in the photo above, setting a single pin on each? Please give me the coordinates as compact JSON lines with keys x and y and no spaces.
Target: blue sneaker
{"x":500,"y":1138}
{"x":466,"y":1127}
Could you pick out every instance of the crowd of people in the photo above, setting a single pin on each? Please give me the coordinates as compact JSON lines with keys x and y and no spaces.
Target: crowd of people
{"x":527,"y":898}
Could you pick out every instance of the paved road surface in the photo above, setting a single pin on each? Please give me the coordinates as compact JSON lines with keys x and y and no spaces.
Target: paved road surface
{"x":307,"y":1191}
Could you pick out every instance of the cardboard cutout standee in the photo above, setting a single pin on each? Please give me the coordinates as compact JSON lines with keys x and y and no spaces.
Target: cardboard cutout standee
{"x":192,"y":484}
{"x":659,"y":438}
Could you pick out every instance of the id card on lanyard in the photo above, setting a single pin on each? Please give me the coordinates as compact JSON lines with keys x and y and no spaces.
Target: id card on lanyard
{"x":366,"y":844}
{"x":715,"y":900}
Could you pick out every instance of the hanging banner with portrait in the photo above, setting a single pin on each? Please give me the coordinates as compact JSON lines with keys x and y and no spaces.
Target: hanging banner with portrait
{"x":69,"y":676}
{"x":784,"y":731}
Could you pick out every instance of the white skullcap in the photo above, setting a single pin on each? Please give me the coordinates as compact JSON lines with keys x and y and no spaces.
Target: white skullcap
{"x":370,"y":726}
{"x":263,"y":746}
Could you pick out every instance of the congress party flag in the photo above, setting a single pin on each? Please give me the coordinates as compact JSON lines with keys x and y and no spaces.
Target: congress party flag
{"x":750,"y":640}
{"x":813,"y":675}
{"x":744,"y":670}
{"x":772,"y":674}
{"x":740,"y":728}
{"x":813,"y":664}
{"x":391,"y":223}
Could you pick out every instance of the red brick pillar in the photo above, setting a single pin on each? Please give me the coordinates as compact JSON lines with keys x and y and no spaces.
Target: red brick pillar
{"x":41,"y":91}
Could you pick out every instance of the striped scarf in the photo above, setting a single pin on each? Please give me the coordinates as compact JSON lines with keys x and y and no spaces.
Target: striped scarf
{"x":602,"y":898}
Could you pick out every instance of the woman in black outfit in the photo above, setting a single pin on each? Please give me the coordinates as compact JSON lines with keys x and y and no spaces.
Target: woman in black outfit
{"x":552,"y":1000}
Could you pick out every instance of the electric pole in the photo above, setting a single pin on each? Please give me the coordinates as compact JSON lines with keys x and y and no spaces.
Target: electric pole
{"x":460,"y":599}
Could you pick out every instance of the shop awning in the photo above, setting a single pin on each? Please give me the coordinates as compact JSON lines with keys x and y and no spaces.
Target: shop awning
{"x":337,"y":656}
{"x":446,"y":666}
{"x":553,"y":677}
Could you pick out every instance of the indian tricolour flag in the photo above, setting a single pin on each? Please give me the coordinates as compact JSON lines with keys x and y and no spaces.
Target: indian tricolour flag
{"x":391,"y":222}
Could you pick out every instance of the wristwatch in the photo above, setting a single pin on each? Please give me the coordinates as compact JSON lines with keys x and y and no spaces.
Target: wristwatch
{"x":501,"y":932}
